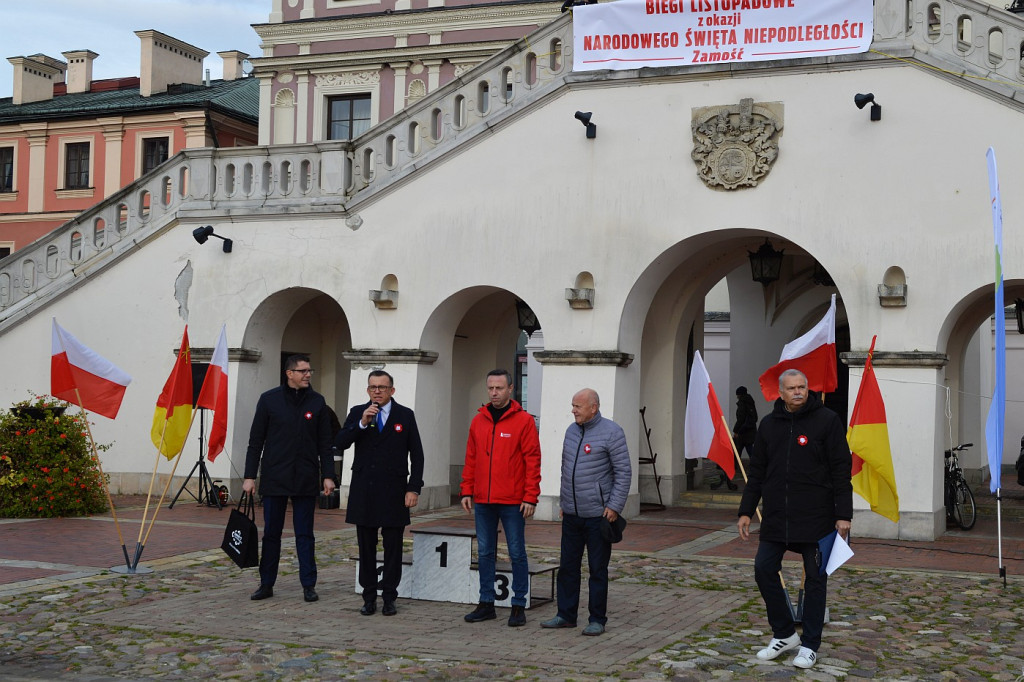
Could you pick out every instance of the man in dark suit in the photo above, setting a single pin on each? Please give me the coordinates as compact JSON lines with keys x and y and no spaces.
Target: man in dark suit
{"x":387,"y":476}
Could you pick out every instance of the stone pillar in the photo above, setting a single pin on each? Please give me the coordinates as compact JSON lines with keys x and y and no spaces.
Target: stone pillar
{"x":404,"y":366}
{"x":113,"y":137}
{"x":907,"y":378}
{"x":302,"y":104}
{"x":433,"y":74}
{"x":37,"y":139}
{"x":266,"y":107}
{"x":401,"y":71}
{"x":565,"y":373}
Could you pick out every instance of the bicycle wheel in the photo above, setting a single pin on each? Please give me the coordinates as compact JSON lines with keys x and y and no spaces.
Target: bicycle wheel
{"x":965,"y":512}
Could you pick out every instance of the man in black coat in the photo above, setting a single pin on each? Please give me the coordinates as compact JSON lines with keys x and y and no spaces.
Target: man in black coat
{"x":291,"y":434}
{"x":745,"y":429}
{"x":800,"y":468}
{"x":387,"y":476}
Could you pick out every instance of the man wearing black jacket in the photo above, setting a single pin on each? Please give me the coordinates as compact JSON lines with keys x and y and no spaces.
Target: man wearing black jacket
{"x":800,"y":468}
{"x":387,"y":477}
{"x":290,"y":447}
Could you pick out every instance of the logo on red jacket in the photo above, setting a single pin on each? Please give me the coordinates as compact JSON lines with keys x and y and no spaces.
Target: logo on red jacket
{"x":309,"y":415}
{"x":398,"y":428}
{"x":801,"y":439}
{"x":586,"y":448}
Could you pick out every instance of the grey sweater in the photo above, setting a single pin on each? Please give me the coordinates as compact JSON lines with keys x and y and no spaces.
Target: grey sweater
{"x":596,"y":469}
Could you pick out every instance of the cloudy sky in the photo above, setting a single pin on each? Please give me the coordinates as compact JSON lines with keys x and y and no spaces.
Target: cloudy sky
{"x":107,"y":27}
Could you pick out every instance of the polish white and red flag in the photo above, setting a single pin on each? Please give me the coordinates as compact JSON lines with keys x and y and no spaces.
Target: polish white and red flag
{"x":814,"y":354}
{"x":81,"y":376}
{"x":706,"y":433}
{"x":214,"y":395}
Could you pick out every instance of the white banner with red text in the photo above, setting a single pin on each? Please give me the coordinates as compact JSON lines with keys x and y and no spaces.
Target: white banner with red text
{"x":630,"y":34}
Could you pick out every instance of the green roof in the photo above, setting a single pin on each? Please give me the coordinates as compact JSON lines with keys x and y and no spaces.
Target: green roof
{"x":239,"y":98}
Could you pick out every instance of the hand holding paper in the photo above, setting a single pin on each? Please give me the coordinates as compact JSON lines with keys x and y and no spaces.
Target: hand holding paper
{"x":834,"y":552}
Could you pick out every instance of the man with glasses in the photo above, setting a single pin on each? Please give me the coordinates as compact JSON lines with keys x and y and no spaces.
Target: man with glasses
{"x":290,"y":448}
{"x":387,"y":476}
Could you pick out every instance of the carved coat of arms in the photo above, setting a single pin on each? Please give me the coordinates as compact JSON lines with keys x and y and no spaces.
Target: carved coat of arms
{"x":735,"y":146}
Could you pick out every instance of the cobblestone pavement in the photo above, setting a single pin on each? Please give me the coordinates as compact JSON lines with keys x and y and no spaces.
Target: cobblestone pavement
{"x":683,"y":606}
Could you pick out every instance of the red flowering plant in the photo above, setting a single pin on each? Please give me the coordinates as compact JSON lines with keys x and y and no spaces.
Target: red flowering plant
{"x":47,"y":467}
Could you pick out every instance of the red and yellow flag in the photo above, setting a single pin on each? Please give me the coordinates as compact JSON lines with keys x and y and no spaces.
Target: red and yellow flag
{"x":173,"y":414}
{"x":873,"y":476}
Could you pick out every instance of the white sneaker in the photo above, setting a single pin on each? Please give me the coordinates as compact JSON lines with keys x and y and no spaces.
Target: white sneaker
{"x":805,"y":658}
{"x":779,"y":646}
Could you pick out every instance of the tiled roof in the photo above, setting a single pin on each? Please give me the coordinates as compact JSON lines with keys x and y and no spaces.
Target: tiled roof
{"x":240,"y":98}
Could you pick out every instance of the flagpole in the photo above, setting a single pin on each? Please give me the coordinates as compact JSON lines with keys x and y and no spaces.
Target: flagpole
{"x":103,"y":476}
{"x":149,"y":497}
{"x":170,"y":477}
{"x":739,"y":460}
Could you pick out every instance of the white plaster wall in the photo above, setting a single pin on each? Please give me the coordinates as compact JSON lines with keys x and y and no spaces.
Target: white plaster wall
{"x":859,"y":196}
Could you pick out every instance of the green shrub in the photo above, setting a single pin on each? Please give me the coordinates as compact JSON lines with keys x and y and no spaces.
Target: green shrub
{"x":47,"y":467}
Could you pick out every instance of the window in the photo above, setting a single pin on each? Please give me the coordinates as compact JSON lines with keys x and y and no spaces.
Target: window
{"x":154,"y":152}
{"x":6,"y":169}
{"x":348,"y":116}
{"x":76,"y":165}
{"x":5,"y":250}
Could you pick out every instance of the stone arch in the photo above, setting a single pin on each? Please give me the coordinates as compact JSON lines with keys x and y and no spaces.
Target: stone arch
{"x":966,"y":338}
{"x":664,"y":318}
{"x":474,"y":330}
{"x":293,"y":320}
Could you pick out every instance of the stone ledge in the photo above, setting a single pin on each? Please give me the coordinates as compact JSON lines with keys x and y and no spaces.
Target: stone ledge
{"x":369,"y":357}
{"x":583,"y":357}
{"x":909,"y":358}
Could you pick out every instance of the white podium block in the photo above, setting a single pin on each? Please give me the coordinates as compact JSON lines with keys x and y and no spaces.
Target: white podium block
{"x":404,"y":585}
{"x":441,"y":565}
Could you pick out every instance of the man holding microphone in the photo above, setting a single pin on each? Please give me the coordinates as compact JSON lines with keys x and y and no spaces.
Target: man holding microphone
{"x":387,"y":476}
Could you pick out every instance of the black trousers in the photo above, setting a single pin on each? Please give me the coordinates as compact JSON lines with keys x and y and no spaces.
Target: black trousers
{"x":392,"y":572}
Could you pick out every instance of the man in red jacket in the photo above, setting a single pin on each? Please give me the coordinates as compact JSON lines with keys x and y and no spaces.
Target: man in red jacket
{"x":502,"y":476}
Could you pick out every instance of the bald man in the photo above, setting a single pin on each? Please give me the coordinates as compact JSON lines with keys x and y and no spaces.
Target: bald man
{"x":596,"y":473}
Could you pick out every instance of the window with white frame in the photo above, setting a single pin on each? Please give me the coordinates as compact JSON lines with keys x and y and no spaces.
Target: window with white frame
{"x":348,"y":116}
{"x":76,"y":165}
{"x":6,"y":168}
{"x":154,"y":152}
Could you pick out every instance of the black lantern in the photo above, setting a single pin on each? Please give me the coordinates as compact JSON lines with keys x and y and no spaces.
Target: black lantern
{"x":526,"y":318}
{"x":1018,"y":308}
{"x":765,"y":263}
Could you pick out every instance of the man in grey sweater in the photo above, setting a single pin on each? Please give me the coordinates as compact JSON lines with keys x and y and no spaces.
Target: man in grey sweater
{"x":596,"y":474}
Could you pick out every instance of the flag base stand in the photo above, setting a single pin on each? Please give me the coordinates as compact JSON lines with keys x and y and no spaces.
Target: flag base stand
{"x":798,"y":609}
{"x":138,"y":570}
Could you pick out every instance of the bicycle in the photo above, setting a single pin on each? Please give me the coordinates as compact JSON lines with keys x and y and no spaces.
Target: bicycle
{"x":959,"y":499}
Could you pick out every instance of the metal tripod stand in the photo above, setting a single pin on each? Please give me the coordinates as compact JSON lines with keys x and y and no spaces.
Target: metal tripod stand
{"x":208,"y":492}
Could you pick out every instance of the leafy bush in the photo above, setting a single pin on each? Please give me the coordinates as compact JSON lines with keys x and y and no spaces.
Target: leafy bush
{"x":47,"y":467}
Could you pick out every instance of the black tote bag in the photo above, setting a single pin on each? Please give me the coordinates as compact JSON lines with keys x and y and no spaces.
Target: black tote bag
{"x":241,"y":537}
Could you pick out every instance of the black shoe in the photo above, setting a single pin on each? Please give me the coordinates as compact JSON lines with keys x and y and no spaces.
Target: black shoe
{"x":389,"y":608}
{"x":716,"y":486}
{"x":732,"y":486}
{"x":265,"y":592}
{"x":518,"y":617}
{"x":369,"y":608}
{"x":309,"y":594}
{"x":483,"y":611}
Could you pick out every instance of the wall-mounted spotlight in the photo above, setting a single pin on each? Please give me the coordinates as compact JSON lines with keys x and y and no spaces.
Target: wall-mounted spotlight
{"x":584,"y":118}
{"x":876,"y":108}
{"x":201,"y":234}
